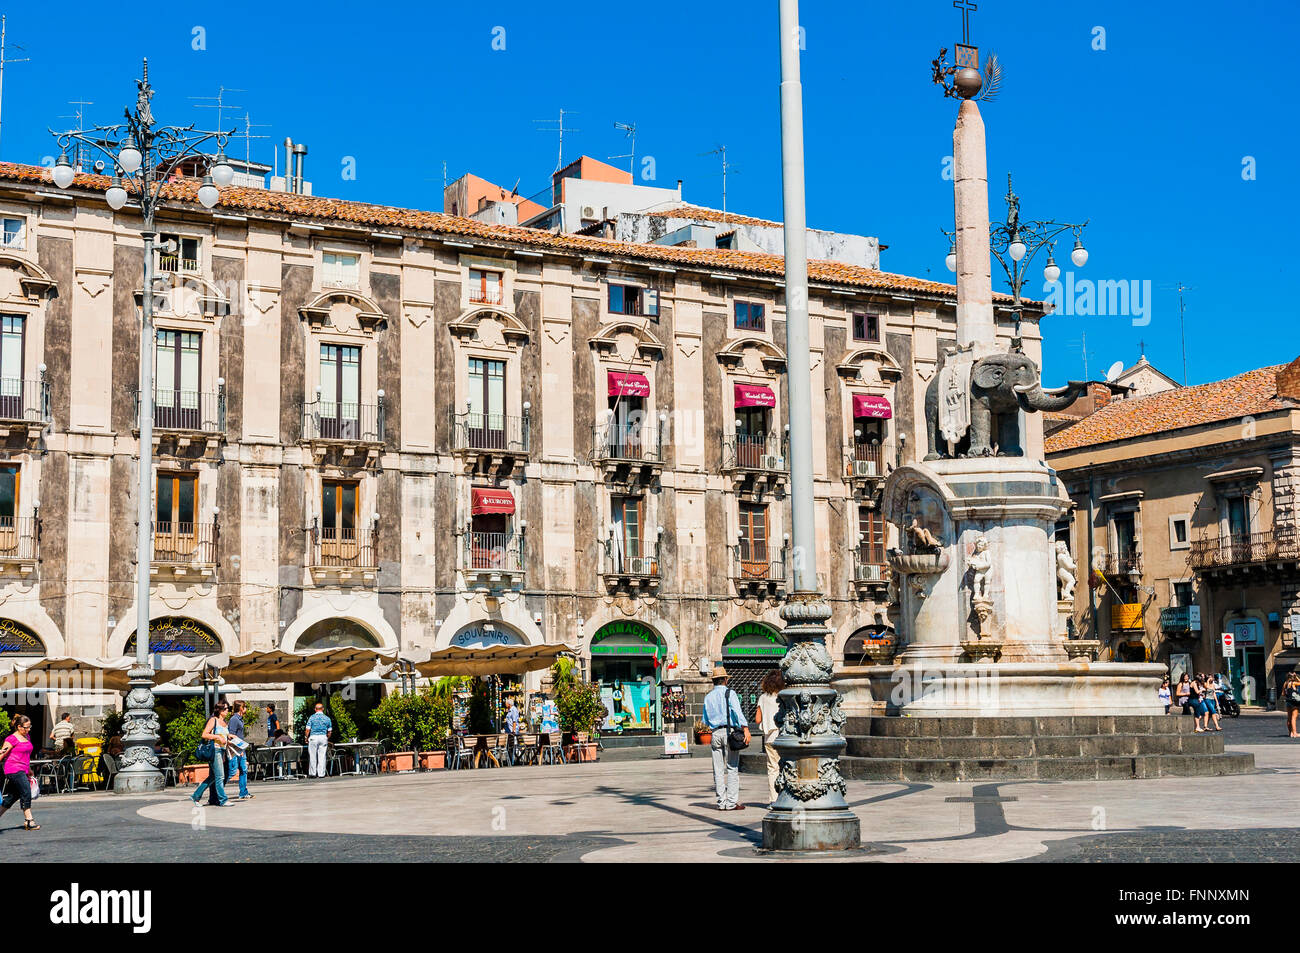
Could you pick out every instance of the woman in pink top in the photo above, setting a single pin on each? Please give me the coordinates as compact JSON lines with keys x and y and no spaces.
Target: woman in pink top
{"x":18,"y":770}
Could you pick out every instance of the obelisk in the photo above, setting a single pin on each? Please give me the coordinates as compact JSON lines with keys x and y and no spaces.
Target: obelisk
{"x":975,"y":325}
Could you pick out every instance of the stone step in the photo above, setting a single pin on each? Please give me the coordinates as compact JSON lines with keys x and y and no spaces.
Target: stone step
{"x":1052,"y":725}
{"x":1033,"y":746}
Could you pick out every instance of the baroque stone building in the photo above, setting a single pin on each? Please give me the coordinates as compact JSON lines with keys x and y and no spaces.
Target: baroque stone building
{"x":408,"y":430}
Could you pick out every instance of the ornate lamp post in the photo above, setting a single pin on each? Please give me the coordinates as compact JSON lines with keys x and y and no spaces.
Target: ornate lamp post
{"x":810,"y":812}
{"x":1016,"y":243}
{"x":144,"y":157}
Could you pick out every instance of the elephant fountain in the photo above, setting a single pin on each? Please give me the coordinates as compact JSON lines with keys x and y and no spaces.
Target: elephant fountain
{"x":983,"y":396}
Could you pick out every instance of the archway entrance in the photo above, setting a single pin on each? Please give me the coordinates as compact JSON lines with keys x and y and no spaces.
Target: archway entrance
{"x":494,"y":689}
{"x":626,"y":662}
{"x":749,"y":652}
{"x":336,"y":634}
{"x":18,"y":641}
{"x":857,"y":645}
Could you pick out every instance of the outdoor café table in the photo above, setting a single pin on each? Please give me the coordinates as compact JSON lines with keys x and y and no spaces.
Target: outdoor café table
{"x":353,"y":749}
{"x":287,"y":756}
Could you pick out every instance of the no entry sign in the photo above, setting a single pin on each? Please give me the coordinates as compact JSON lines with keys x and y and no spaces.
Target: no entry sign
{"x":1229,"y":647}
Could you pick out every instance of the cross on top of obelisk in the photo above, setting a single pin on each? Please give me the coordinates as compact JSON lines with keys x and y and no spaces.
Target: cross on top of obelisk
{"x":966,"y":56}
{"x":967,"y":7}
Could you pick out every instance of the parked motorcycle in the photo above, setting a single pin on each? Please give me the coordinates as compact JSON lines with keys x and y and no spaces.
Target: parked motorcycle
{"x":1228,"y":702}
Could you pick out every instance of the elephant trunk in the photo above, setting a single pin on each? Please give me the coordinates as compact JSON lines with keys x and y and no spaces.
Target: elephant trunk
{"x":1032,"y":397}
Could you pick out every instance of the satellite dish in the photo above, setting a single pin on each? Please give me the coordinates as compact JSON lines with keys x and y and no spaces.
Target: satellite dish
{"x":1115,"y":370}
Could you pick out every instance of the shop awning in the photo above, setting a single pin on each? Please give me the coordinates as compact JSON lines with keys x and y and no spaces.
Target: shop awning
{"x":327,"y":665}
{"x":487,"y":500}
{"x":871,"y":405}
{"x":754,"y":395}
{"x":628,"y":385}
{"x":491,"y":660}
{"x":80,"y":674}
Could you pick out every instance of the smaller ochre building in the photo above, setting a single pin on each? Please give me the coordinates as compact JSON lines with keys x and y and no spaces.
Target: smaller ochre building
{"x":1187,"y":525}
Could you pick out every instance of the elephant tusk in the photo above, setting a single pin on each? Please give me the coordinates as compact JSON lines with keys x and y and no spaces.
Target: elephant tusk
{"x":1023,"y":388}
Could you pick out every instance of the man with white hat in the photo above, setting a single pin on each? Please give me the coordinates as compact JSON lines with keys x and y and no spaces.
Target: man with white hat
{"x":722,"y":711}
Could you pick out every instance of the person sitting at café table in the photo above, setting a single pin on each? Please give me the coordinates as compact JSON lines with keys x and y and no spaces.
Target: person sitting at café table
{"x":62,"y":735}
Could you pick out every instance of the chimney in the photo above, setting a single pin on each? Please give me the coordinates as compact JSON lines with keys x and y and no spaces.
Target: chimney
{"x":1288,"y":381}
{"x":299,"y":150}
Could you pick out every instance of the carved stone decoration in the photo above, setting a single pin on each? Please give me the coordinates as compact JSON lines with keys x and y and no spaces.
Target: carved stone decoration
{"x":979,"y":563}
{"x":139,"y":773}
{"x":1066,"y":572}
{"x":828,"y":780}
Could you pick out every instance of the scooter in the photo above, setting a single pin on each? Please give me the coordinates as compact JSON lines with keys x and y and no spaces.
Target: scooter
{"x":1228,"y":703}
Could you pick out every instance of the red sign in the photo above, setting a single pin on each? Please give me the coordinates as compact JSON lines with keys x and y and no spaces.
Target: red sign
{"x":487,"y":500}
{"x":754,"y":395}
{"x":869,"y":405}
{"x":628,"y":385}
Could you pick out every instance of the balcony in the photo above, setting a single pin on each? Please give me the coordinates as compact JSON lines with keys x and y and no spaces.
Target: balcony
{"x":184,"y":550}
{"x":344,"y":429}
{"x":630,"y":573}
{"x":864,"y":466}
{"x":627,"y":453}
{"x":19,"y":544}
{"x":1126,"y":562}
{"x":24,"y":407}
{"x":1240,"y":552}
{"x":343,"y":555}
{"x":870,"y":571}
{"x":173,"y":264}
{"x":757,"y":575}
{"x":492,"y":560}
{"x":756,"y":462}
{"x":492,"y":443}
{"x":489,"y":295}
{"x":1126,"y":617}
{"x":1182,"y":621}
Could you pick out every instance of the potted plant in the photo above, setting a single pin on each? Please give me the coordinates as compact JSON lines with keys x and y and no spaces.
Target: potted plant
{"x":396,"y":719}
{"x":580,"y":710}
{"x":703,"y":733}
{"x":433,"y":725}
{"x":183,"y":734}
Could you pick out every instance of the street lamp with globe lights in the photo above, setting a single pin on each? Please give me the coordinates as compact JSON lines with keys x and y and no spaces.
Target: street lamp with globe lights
{"x":1014,"y":245}
{"x":144,"y":158}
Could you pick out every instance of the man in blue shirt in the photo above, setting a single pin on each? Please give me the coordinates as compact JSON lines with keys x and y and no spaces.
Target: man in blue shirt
{"x":319,"y":728}
{"x":721,"y":710}
{"x":512,"y":727}
{"x":238,"y":754}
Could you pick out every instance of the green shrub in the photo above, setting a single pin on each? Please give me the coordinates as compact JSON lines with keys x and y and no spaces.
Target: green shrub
{"x":579,"y":706}
{"x":110,"y":725}
{"x":345,"y":728}
{"x":184,"y":732}
{"x":414,"y":722}
{"x":4,"y":725}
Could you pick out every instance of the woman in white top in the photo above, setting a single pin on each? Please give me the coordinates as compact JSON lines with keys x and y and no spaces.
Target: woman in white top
{"x":768,"y":705}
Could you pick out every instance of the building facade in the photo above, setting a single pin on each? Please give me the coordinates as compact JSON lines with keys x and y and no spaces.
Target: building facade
{"x":1186,"y":524}
{"x":408,"y":430}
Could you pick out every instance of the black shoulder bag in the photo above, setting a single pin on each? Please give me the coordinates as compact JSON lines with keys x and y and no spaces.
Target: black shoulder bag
{"x":735,"y":736}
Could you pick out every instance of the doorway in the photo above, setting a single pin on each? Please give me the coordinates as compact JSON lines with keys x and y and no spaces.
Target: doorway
{"x":1246,"y":669}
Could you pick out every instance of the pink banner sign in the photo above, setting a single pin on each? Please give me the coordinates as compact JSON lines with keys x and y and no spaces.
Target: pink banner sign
{"x":869,"y":405}
{"x":628,"y":385}
{"x":754,"y":395}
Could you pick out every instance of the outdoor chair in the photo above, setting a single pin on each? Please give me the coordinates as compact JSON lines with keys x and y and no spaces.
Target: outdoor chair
{"x":259,"y":763}
{"x":460,"y":754}
{"x":550,"y":751}
{"x":167,"y":765}
{"x":500,"y":749}
{"x":52,"y":773}
{"x":110,"y":770}
{"x":526,"y":751}
{"x":368,"y":758}
{"x":81,"y":771}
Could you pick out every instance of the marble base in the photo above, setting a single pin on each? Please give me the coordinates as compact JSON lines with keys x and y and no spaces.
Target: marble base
{"x":1002,"y":689}
{"x":811,"y":831}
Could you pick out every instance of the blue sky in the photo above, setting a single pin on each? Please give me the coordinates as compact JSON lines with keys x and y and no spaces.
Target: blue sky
{"x":1147,"y":138}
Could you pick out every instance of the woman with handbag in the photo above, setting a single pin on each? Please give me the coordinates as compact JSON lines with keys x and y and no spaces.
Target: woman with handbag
{"x":768,"y":705}
{"x":1291,"y":694}
{"x":212,"y":749}
{"x":18,"y":771}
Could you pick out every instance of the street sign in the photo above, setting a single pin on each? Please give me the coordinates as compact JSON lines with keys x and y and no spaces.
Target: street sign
{"x":1229,"y":647}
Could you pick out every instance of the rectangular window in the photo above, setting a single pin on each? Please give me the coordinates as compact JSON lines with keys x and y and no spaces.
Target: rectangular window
{"x":1238,"y":517}
{"x":1179,"y":533}
{"x":633,"y":300}
{"x":871,"y":533}
{"x":486,"y":397}
{"x":14,"y":233}
{"x":627,"y":530}
{"x":485,"y":287}
{"x":338,"y":523}
{"x":753,"y":541}
{"x":178,"y":253}
{"x":174,"y":530}
{"x":10,"y":533}
{"x":340,"y":271}
{"x":749,"y":316}
{"x":340,"y":392}
{"x":1182,"y":594}
{"x":866,"y":327}
{"x":12,"y":339}
{"x":177,"y":359}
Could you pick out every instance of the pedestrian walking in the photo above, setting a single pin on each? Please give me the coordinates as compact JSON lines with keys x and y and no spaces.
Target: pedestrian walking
{"x":319,"y":729}
{"x":722,"y":712}
{"x":512,"y":728}
{"x":768,"y":705}
{"x":1291,"y":695}
{"x":16,"y":755}
{"x":238,"y":749}
{"x":1183,"y":694}
{"x":272,"y":724}
{"x":216,"y":732}
{"x":1211,"y":702}
{"x":1197,"y":701}
{"x":62,"y":735}
{"x":1164,"y":693}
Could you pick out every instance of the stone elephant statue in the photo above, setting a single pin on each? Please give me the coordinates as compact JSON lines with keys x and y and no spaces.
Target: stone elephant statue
{"x":1000,"y":386}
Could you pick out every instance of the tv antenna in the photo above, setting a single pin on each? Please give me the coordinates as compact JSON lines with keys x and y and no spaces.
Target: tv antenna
{"x":5,"y":60}
{"x":78,"y":114}
{"x":726,"y":167}
{"x":561,"y":128}
{"x":249,"y":136}
{"x":218,"y":102}
{"x":629,"y":130}
{"x":1182,"y":327}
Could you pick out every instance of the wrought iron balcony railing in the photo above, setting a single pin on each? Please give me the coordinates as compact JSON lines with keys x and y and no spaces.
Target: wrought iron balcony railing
{"x":1237,"y":549}
{"x":866,"y":461}
{"x":869,"y":564}
{"x":187,"y":410}
{"x":492,"y":552}
{"x":624,"y":564}
{"x":490,"y":432}
{"x":175,"y":263}
{"x":26,"y":401}
{"x":19,"y":538}
{"x":756,"y":566}
{"x":637,"y":444}
{"x":343,"y":421}
{"x":343,"y":548}
{"x":761,"y":452}
{"x":1124,"y":562}
{"x":184,"y":544}
{"x":489,"y":295}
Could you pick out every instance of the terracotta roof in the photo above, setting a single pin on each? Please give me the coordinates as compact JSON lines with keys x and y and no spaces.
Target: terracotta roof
{"x":1249,"y":394}
{"x":293,"y":207}
{"x":698,"y":213}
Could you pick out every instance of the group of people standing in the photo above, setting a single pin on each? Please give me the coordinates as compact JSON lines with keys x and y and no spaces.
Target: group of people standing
{"x":726,"y":719}
{"x":1197,"y":696}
